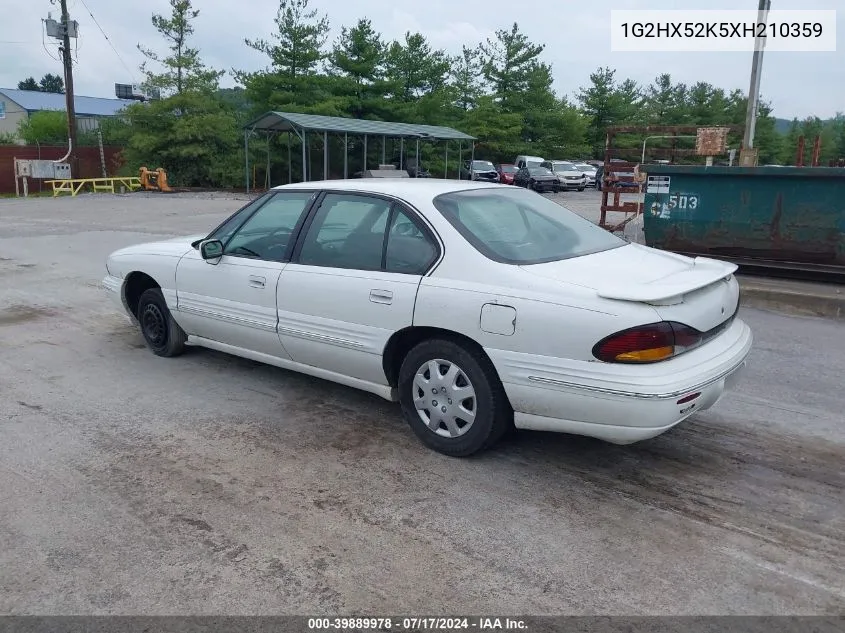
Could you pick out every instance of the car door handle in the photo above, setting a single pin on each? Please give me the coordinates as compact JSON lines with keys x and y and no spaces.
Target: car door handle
{"x":381,"y":296}
{"x":257,"y":282}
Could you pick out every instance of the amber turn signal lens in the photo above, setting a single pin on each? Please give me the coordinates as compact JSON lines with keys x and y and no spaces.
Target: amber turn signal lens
{"x":647,"y":355}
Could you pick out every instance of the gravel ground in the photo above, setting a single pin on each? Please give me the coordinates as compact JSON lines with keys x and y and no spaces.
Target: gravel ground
{"x":207,"y":484}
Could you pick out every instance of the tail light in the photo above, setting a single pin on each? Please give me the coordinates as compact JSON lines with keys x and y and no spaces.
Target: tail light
{"x":649,"y":343}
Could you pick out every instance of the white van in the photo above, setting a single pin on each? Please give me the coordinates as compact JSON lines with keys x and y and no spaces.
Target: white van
{"x":528,"y":161}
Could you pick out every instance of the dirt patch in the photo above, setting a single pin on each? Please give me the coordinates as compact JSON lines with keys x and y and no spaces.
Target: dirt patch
{"x":16,"y":314}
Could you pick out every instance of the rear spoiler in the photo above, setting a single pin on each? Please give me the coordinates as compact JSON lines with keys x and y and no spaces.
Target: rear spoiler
{"x":704,"y":272}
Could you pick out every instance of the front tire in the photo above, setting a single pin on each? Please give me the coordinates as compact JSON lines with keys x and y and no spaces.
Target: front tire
{"x":452,"y":398}
{"x":162,"y":334}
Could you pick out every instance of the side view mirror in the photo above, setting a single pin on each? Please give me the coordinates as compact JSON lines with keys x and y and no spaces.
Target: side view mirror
{"x":211,"y":249}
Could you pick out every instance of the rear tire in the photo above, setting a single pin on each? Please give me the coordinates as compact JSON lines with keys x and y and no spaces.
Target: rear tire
{"x":452,"y":398}
{"x":162,"y":334}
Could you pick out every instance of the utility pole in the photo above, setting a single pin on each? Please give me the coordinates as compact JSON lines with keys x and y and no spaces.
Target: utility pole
{"x":69,"y":105}
{"x":756,"y":71}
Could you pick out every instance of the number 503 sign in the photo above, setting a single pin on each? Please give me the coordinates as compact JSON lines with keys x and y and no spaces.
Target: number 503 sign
{"x":683,"y":201}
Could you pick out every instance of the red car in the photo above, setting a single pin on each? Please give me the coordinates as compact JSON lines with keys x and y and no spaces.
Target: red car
{"x":506,"y":173}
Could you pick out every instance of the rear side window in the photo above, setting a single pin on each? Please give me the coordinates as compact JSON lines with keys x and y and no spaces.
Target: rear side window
{"x":515,"y":226}
{"x":409,"y":249}
{"x":347,"y":232}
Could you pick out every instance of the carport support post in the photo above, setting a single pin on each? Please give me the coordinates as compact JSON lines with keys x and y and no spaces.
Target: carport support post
{"x":290,"y":175}
{"x":472,"y":157}
{"x":365,"y":152}
{"x":401,"y":152}
{"x":417,"y":167}
{"x":269,"y":184}
{"x":383,"y":148}
{"x":345,"y":155}
{"x":325,"y":155}
{"x":304,"y":158}
{"x":446,"y":169}
{"x":246,"y":158}
{"x":460,"y":157}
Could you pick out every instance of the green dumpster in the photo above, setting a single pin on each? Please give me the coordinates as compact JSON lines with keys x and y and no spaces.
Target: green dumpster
{"x":781,"y":214}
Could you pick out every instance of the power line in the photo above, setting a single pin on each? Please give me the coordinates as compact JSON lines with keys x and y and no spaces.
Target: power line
{"x":108,"y":40}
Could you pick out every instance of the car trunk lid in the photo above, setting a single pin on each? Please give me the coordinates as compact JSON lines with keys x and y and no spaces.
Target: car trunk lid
{"x":698,"y":292}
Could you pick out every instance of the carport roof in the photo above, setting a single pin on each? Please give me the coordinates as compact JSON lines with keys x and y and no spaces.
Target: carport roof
{"x":290,"y":121}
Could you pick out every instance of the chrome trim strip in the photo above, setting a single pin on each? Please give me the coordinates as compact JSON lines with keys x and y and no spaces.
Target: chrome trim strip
{"x":631,"y":394}
{"x":322,"y":338}
{"x":261,"y":325}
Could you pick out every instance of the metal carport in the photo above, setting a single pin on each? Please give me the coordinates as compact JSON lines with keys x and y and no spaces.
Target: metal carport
{"x":303,"y":124}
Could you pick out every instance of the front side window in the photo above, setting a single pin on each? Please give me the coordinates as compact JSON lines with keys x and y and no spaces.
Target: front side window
{"x":231,"y":224}
{"x":518,"y":227}
{"x":268,"y":232}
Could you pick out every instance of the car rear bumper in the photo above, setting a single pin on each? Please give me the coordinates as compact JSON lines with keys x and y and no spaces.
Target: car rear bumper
{"x":622,"y":406}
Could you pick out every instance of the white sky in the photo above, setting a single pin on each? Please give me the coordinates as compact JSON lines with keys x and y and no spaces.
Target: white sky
{"x":576,"y":34}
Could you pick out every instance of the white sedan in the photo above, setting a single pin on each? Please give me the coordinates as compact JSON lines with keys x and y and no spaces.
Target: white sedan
{"x":476,"y":306}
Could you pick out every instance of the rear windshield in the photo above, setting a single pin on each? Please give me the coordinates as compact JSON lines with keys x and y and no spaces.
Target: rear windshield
{"x":538,"y":171}
{"x":508,"y":169}
{"x":517,"y":226}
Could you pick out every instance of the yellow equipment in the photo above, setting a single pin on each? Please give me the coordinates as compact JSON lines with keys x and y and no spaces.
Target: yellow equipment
{"x":154,"y":180}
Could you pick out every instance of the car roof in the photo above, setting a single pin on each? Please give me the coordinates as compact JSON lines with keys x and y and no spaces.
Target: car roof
{"x":414,"y":190}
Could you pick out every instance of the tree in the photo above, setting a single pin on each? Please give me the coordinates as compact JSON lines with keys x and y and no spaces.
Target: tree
{"x":48,"y":83}
{"x":28,"y":84}
{"x":550,"y":124}
{"x":298,"y":41}
{"x":663,"y":102}
{"x":413,"y":69}
{"x":356,"y":58}
{"x":44,"y":127}
{"x":507,"y":63}
{"x":604,"y":103}
{"x":499,"y":133}
{"x":182,"y":68}
{"x":789,"y":143}
{"x":52,"y":83}
{"x":193,"y":135}
{"x":295,"y":51}
{"x":466,"y":78}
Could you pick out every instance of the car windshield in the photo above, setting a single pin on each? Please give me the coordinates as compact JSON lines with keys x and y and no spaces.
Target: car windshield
{"x":585,"y":167}
{"x":508,"y":169}
{"x":564,"y":167}
{"x":520,"y":227}
{"x":483,"y":164}
{"x":538,"y":171}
